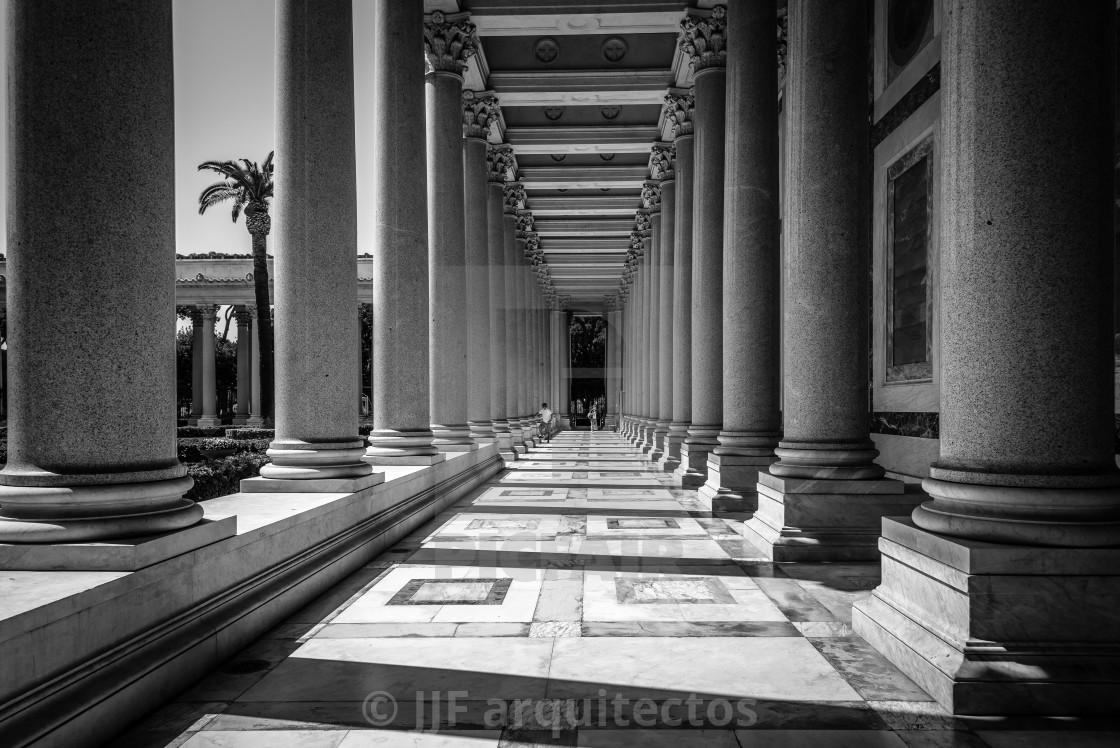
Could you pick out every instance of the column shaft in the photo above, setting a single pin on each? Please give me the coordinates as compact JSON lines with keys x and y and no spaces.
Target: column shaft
{"x":255,"y":418}
{"x":91,"y":284}
{"x":653,"y":350}
{"x":196,"y":365}
{"x":513,"y":383}
{"x":751,"y":272}
{"x":316,"y":267}
{"x":479,"y":316}
{"x":822,"y":500}
{"x":244,"y":375}
{"x":670,"y":450}
{"x":401,"y":414}
{"x":446,"y":259}
{"x":209,"y":417}
{"x":707,"y":267}
{"x":682,"y":310}
{"x":496,"y":245}
{"x":1025,"y":505}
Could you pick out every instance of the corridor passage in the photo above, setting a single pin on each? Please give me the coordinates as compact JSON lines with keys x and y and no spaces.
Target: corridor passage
{"x":577,"y":599}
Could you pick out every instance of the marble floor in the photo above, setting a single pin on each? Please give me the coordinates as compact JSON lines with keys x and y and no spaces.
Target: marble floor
{"x":580,"y":598}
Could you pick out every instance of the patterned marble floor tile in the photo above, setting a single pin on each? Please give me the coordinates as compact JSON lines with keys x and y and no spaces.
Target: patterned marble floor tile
{"x":765,"y":668}
{"x":275,"y":739}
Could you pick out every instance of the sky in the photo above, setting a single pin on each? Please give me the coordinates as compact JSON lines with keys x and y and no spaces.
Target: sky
{"x":224,"y":97}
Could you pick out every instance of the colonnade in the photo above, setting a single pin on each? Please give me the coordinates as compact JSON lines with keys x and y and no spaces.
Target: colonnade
{"x":1027,"y":480}
{"x":204,"y":406}
{"x":461,"y":306}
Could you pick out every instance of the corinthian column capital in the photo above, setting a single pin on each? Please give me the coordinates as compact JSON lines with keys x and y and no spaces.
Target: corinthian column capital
{"x":678,"y":109}
{"x":524,"y":221}
{"x":499,"y":163}
{"x":480,"y":110}
{"x":651,"y":198}
{"x":642,"y":221}
{"x":661,"y":162}
{"x":704,"y":38}
{"x":514,"y":196}
{"x":208,"y":312}
{"x":448,"y":41}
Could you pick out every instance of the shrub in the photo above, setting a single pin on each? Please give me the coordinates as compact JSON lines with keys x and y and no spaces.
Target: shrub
{"x":365,"y":430}
{"x":217,"y":442}
{"x":189,"y":449}
{"x":221,"y":477}
{"x":191,"y":432}
{"x":243,"y":433}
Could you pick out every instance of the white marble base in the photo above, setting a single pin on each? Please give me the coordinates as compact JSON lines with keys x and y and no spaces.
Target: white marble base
{"x":323,"y":485}
{"x":406,"y":459}
{"x":987,"y":628}
{"x":800,"y":519}
{"x":693,"y":468}
{"x":457,"y":447}
{"x":129,"y":554}
{"x":732,"y":480}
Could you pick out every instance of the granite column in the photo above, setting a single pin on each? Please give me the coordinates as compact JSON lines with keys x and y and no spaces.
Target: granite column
{"x":91,"y":426}
{"x":678,"y":109}
{"x":478,"y":112}
{"x":752,"y":420}
{"x":449,"y":39}
{"x":704,"y":41}
{"x":255,"y":421}
{"x":196,"y":364}
{"x":498,"y":161}
{"x":999,"y":595}
{"x":824,"y":498}
{"x":401,"y":416}
{"x":514,"y":198}
{"x":316,"y":267}
{"x":653,"y":351}
{"x":244,"y":375}
{"x":209,"y":416}
{"x":663,"y":173}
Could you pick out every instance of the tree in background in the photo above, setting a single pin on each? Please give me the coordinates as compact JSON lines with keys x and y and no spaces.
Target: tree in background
{"x":250,"y":188}
{"x":225,"y":369}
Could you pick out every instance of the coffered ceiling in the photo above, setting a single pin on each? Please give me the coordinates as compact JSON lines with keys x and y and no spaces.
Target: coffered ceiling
{"x":580,"y":85}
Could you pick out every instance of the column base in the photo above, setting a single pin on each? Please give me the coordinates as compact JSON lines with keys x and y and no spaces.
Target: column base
{"x":481,"y":431}
{"x":452,"y":438}
{"x":254,"y":422}
{"x":732,"y":482}
{"x":809,"y":519}
{"x":396,"y":460}
{"x":505,"y":446}
{"x":320,"y":485}
{"x":693,"y":470}
{"x":395,"y":447}
{"x":610,"y":423}
{"x":997,"y":629}
{"x":307,"y":463}
{"x":41,"y":515}
{"x":208,"y":422}
{"x":671,"y":458}
{"x":116,"y":555}
{"x":240,"y":420}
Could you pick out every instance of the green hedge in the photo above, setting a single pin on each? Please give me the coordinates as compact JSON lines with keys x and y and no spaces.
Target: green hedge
{"x":221,"y":477}
{"x":190,"y":449}
{"x":244,"y":433}
{"x":192,"y":432}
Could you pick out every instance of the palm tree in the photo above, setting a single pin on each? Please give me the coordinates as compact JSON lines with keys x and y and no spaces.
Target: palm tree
{"x":249,"y":187}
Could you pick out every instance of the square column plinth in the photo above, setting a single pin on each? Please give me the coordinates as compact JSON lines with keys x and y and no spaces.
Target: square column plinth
{"x":809,"y":519}
{"x":732,"y":480}
{"x":994,"y":629}
{"x":693,"y":467}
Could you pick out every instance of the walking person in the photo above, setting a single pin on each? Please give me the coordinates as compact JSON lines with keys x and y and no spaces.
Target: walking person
{"x":593,"y":415}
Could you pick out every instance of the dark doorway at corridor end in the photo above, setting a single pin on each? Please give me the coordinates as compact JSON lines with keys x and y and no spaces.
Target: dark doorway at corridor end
{"x":588,"y":356}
